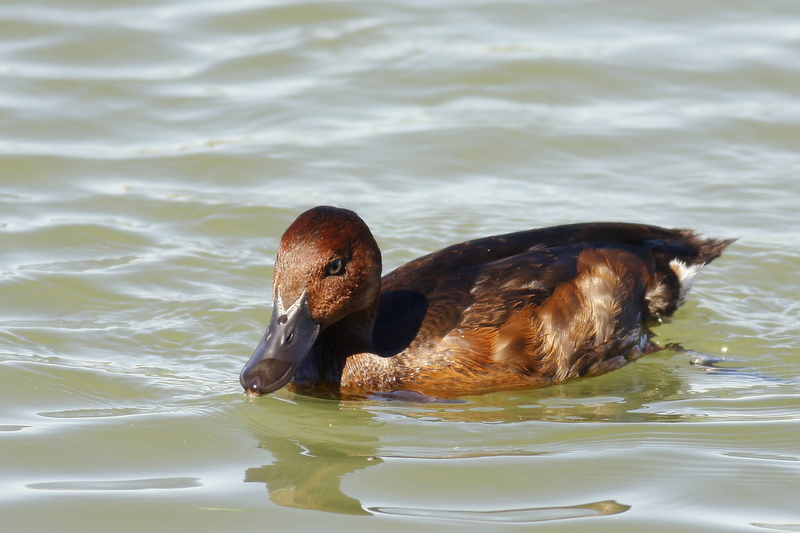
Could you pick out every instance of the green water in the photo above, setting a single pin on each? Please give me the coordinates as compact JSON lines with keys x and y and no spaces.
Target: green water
{"x":152,"y":153}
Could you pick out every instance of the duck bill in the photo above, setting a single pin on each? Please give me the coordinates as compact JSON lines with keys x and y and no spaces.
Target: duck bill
{"x":284,"y":347}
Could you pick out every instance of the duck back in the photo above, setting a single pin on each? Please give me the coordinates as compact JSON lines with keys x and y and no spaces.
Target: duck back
{"x":535,"y":307}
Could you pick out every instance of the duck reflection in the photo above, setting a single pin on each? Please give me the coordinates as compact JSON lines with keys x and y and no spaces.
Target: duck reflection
{"x":308,"y":475}
{"x":316,"y":443}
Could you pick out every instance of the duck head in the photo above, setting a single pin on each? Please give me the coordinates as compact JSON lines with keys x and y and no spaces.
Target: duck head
{"x":327,"y":272}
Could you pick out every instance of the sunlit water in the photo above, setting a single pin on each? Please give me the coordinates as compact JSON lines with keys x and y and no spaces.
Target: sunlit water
{"x":151,"y":154}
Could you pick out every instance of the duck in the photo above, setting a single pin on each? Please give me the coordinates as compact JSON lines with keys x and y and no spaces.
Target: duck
{"x":507,"y":312}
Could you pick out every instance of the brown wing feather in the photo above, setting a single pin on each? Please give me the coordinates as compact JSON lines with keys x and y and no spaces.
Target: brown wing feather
{"x":543,"y":305}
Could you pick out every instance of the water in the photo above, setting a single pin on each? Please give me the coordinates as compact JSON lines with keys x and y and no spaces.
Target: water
{"x":151,"y":154}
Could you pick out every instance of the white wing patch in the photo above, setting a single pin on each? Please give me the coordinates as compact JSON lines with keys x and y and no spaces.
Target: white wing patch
{"x":686,"y":276}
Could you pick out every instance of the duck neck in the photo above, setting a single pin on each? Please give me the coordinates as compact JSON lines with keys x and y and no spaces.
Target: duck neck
{"x":351,"y":335}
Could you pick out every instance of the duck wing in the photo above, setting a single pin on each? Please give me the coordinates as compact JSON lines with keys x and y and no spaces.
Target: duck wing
{"x":503,"y":282}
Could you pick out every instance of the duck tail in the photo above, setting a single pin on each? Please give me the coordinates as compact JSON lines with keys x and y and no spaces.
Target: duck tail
{"x":678,"y":261}
{"x":706,"y":250}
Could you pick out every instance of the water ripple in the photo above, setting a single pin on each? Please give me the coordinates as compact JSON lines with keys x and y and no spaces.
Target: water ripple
{"x":513,"y":516}
{"x":167,"y":483}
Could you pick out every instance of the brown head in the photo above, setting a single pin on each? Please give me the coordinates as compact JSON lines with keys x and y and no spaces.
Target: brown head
{"x":328,"y":268}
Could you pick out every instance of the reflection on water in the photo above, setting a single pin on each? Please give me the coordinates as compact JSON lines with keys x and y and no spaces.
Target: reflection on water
{"x":534,"y":514}
{"x":119,"y":484}
{"x":778,"y":527}
{"x":315,"y":444}
{"x":309,"y":476}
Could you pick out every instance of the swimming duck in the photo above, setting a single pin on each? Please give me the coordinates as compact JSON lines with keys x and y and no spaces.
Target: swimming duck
{"x":507,"y":312}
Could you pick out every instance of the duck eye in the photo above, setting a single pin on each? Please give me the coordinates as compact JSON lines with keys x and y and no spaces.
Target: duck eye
{"x":335,"y":268}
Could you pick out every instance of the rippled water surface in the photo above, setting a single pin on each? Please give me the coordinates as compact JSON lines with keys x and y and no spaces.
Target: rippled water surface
{"x":151,"y":154}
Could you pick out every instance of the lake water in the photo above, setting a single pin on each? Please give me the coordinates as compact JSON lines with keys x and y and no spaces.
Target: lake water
{"x":152,"y":153}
